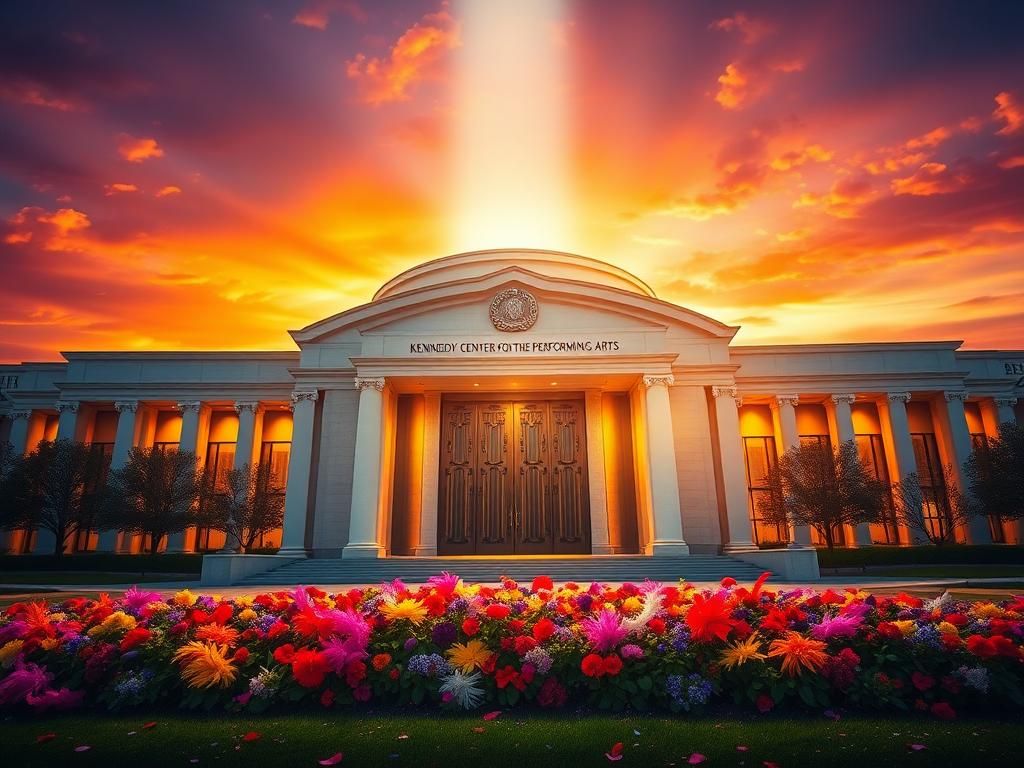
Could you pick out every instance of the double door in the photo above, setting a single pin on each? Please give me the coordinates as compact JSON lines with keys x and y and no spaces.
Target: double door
{"x":513,"y":478}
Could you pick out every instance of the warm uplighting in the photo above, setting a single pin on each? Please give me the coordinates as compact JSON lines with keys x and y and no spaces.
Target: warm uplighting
{"x":511,"y":181}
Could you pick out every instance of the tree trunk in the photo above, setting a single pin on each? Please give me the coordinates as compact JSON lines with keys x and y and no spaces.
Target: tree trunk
{"x":58,"y":543}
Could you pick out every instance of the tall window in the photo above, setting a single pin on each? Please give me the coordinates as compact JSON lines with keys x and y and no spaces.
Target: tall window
{"x":935,"y":505}
{"x":166,"y":446}
{"x":102,"y":453}
{"x":274,"y":455}
{"x":825,"y":443}
{"x":760,"y":457}
{"x":220,"y":459}
{"x":979,"y":444}
{"x":872,"y":456}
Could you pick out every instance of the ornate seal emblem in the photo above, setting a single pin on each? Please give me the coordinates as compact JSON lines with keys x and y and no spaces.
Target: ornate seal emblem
{"x":513,"y":310}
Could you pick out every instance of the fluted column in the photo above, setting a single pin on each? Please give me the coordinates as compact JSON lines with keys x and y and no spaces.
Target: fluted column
{"x":188,"y":442}
{"x":67,"y":419}
{"x":661,"y":461}
{"x":903,"y":444}
{"x":785,"y":411}
{"x":300,"y":462}
{"x":734,"y":481}
{"x":363,"y":541}
{"x":960,"y":448}
{"x":1004,"y":409}
{"x":841,"y":409}
{"x":124,"y":441}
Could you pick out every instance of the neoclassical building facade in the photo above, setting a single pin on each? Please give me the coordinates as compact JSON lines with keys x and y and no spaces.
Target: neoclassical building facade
{"x":522,"y":402}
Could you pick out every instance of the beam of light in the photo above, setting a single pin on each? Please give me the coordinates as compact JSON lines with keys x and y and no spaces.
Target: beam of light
{"x":510,"y":128}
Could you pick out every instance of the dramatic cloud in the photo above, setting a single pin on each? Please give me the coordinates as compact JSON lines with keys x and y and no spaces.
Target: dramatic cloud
{"x":1010,"y":111}
{"x":929,"y":179}
{"x":317,"y":14}
{"x":136,"y":150}
{"x":752,"y":30}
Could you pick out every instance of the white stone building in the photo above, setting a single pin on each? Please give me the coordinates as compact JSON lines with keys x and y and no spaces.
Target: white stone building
{"x":521,"y":402}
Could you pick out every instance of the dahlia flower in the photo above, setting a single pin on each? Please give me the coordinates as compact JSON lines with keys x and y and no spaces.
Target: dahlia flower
{"x":206,"y":665}
{"x":136,"y":599}
{"x":836,"y":626}
{"x":798,"y":653}
{"x":742,"y":651}
{"x":605,"y":632}
{"x":468,"y":656}
{"x":463,"y":689}
{"x":24,"y":680}
{"x":412,"y":610}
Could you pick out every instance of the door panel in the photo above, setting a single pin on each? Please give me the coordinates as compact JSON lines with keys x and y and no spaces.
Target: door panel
{"x":513,"y":478}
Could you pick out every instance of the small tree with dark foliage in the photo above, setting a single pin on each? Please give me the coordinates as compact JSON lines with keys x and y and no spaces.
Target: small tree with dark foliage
{"x":154,"y":493}
{"x":824,"y":489}
{"x":248,"y":509}
{"x":995,"y":474}
{"x":933,"y":511}
{"x":50,"y":489}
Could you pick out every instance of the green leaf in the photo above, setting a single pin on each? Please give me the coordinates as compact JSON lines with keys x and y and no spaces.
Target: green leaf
{"x":807,"y":695}
{"x":645,"y":683}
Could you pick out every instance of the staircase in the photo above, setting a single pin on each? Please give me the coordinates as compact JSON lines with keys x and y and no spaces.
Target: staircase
{"x":608,"y":568}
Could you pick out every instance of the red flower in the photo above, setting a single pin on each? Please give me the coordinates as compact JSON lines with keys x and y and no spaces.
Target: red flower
{"x":380,"y":661}
{"x":394,"y":673}
{"x":542,"y":582}
{"x":284,"y":654}
{"x":355,"y":673}
{"x":524,"y":644}
{"x":922,"y":681}
{"x":490,"y":664}
{"x":135,"y":637}
{"x":708,"y":618}
{"x":612,"y":665}
{"x":592,"y":665}
{"x":516,"y":626}
{"x":657,"y":626}
{"x":775,"y":621}
{"x":362,"y":693}
{"x":552,"y":694}
{"x":1004,"y":646}
{"x":277,"y":628}
{"x":470,"y":627}
{"x":958,"y":619}
{"x":543,"y":629}
{"x":728,"y":581}
{"x":435,"y":604}
{"x":309,"y":668}
{"x":943,"y":711}
{"x":498,"y":611}
{"x":764,"y":703}
{"x":889,"y":631}
{"x":509,"y":675}
{"x":241,"y":656}
{"x":327,"y":698}
{"x":982,"y":647}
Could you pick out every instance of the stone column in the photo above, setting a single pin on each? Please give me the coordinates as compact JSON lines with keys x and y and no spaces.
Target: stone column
{"x":300,"y":463}
{"x":661,"y":460}
{"x":844,"y":432}
{"x":67,"y":427}
{"x":1004,"y":409}
{"x":124,"y":441}
{"x":19,"y":431}
{"x":188,"y":442}
{"x":245,"y":448}
{"x":785,"y":411}
{"x":599,"y":544}
{"x":363,"y":541}
{"x":960,"y":447}
{"x":903,"y":444}
{"x":427,"y":546}
{"x":734,"y":481}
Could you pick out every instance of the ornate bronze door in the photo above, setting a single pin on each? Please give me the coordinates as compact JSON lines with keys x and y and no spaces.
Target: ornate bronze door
{"x":513,"y":478}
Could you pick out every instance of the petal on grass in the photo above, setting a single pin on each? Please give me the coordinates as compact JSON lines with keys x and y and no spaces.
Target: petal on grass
{"x":696,"y":758}
{"x":252,"y":736}
{"x":332,"y":760}
{"x":45,"y":737}
{"x":492,"y":715}
{"x":83,"y":748}
{"x":616,"y":752}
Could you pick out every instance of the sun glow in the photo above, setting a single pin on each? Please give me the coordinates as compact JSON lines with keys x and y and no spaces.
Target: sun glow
{"x":510,"y":125}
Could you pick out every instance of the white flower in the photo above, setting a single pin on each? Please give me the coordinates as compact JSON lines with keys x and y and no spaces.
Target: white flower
{"x":651,"y":605}
{"x":463,"y":689}
{"x":938,"y":603}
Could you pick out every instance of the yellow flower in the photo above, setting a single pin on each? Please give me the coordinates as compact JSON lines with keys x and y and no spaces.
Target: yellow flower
{"x":247,"y":614}
{"x":185,"y":599}
{"x":466,"y":590}
{"x":987,"y":611}
{"x":244,"y":601}
{"x":946,"y":628}
{"x":10,"y":652}
{"x":118,"y":621}
{"x":631,"y":605}
{"x":470,"y":656}
{"x":798,"y":652}
{"x":410,"y":609}
{"x":157,"y":606}
{"x":534,"y":603}
{"x":906,"y":626}
{"x":206,"y":665}
{"x":49,"y":644}
{"x":741,"y":652}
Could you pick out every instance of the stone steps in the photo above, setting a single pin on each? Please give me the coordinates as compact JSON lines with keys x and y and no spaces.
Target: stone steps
{"x":614,"y":568}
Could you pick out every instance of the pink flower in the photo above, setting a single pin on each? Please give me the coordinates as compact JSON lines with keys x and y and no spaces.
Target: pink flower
{"x":55,"y":700}
{"x":605,"y":632}
{"x":136,"y":599}
{"x":631,"y":651}
{"x":23,"y":680}
{"x":836,"y":626}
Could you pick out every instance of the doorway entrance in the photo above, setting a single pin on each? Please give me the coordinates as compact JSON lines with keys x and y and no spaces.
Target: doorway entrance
{"x":513,"y":477}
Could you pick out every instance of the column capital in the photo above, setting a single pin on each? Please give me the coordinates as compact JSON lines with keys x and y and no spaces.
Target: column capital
{"x":247,"y":405}
{"x":898,"y":397}
{"x":365,"y":383}
{"x":20,"y":414}
{"x":1004,"y":402}
{"x":666,"y":380}
{"x":781,"y":400}
{"x":843,"y":398}
{"x":310,"y":396}
{"x":960,"y":395}
{"x":126,"y":406}
{"x":67,"y":405}
{"x":189,"y":405}
{"x":730,"y":391}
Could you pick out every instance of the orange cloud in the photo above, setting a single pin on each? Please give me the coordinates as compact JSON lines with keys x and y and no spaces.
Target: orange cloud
{"x":25,"y":93}
{"x":414,"y":57}
{"x":813,"y":153}
{"x":136,"y":150}
{"x":1010,"y":111}
{"x":929,"y":179}
{"x":752,"y":30}
{"x":170,"y":189}
{"x":1017,"y":161}
{"x":843,"y":200}
{"x":18,"y":238}
{"x":65,"y":220}
{"x":931,"y":139}
{"x":732,"y":91}
{"x":317,"y":14}
{"x":118,"y":188}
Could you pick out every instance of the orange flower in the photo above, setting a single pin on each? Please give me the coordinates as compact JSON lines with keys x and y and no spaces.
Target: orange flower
{"x":217,"y":633}
{"x":798,"y":652}
{"x":381,"y":660}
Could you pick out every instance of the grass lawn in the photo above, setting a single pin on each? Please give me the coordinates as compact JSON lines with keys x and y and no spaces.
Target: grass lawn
{"x":527,"y":739}
{"x":86,"y":577}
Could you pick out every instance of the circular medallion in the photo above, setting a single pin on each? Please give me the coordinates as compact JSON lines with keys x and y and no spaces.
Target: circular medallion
{"x":513,"y":310}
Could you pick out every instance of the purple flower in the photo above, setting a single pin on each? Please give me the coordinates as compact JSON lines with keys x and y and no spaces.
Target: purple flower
{"x":444,"y":634}
{"x":631,"y":651}
{"x":583,"y":602}
{"x":410,"y":644}
{"x":12,"y":631}
{"x":23,"y":680}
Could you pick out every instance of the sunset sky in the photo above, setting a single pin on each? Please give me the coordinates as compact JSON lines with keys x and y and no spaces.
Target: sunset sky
{"x":208,"y":176}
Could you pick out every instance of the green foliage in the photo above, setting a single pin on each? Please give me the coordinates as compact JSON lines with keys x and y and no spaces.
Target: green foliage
{"x":247,"y":510}
{"x":995,"y":474}
{"x":953,"y":554}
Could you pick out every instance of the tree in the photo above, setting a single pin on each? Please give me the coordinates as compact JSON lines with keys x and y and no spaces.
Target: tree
{"x":825,"y":489}
{"x":154,"y":493}
{"x":248,"y":509}
{"x":51,"y":489}
{"x":995,"y":474}
{"x":933,"y":511}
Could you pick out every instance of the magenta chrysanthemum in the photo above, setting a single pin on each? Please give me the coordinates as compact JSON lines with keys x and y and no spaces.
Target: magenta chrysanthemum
{"x":605,"y":632}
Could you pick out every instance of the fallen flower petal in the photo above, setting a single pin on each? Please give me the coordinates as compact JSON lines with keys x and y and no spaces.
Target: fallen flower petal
{"x":616,"y":752}
{"x":492,"y":715}
{"x":252,"y":736}
{"x":83,"y":748}
{"x":45,"y":737}
{"x":696,"y":758}
{"x":332,"y":760}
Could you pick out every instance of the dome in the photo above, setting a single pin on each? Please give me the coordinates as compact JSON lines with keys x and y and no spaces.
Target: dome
{"x":556,"y":264}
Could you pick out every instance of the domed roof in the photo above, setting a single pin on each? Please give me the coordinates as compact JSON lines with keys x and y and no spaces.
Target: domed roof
{"x":478,"y":263}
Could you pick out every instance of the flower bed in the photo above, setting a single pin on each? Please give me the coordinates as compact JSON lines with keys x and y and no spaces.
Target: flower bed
{"x":451,"y":645}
